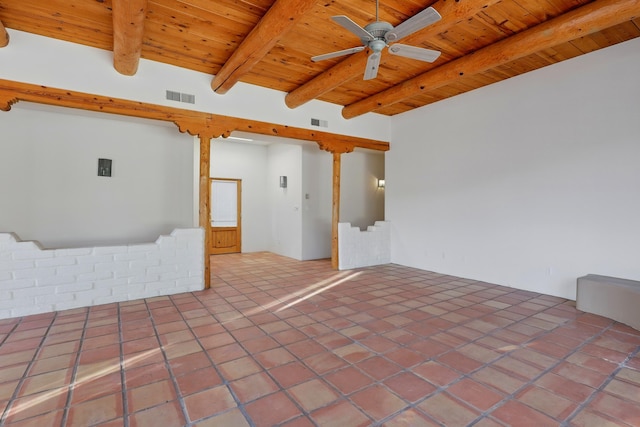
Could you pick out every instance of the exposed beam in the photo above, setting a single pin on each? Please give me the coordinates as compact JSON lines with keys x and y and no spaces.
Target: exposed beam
{"x":452,"y":13}
{"x":128,"y":29}
{"x":4,"y":36}
{"x":279,"y":19}
{"x":577,"y":23}
{"x":193,"y":122}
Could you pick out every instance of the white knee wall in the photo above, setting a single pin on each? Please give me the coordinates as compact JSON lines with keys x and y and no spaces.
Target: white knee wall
{"x":34,"y":280}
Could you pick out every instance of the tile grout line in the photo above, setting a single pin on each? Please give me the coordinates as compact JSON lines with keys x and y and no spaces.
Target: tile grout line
{"x":225,"y":382}
{"x":443,"y":388}
{"x":531,"y":382}
{"x":166,"y":360}
{"x":440,"y":389}
{"x":602,"y":386}
{"x":71,"y":388}
{"x":399,"y":345}
{"x":298,"y":359}
{"x":25,"y":376}
{"x":123,"y":379}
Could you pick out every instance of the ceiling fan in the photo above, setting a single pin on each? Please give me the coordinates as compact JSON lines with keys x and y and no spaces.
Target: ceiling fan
{"x":377,"y":35}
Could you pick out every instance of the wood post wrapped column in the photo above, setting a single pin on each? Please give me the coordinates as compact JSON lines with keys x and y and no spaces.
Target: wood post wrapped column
{"x":205,"y":205}
{"x":335,"y":213}
{"x":337,"y":148}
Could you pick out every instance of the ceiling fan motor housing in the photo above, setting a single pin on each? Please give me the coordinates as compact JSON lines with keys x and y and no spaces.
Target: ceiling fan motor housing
{"x":377,"y":30}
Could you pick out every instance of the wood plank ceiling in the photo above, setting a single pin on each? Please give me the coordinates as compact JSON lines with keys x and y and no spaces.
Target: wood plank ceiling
{"x":269,"y":43}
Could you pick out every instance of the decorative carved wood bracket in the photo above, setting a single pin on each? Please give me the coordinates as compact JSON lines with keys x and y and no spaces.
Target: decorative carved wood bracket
{"x":335,"y":147}
{"x":7,"y":100}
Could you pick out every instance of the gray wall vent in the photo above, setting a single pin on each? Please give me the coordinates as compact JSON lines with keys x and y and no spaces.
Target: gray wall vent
{"x":181,"y":97}
{"x":319,"y":123}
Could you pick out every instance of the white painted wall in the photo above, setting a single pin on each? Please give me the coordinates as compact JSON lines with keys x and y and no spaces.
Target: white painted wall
{"x":285,"y":203}
{"x":363,"y":248}
{"x":361,"y":202}
{"x":72,"y":66}
{"x":317,"y":199}
{"x":248,"y":162}
{"x":50,"y":191}
{"x":531,"y":182}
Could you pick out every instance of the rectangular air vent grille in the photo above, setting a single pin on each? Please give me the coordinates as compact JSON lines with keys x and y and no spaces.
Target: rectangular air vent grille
{"x":188,"y":98}
{"x":319,"y":123}
{"x":181,"y":97}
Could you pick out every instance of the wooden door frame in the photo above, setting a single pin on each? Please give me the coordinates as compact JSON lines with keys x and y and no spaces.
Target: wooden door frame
{"x":238,"y":207}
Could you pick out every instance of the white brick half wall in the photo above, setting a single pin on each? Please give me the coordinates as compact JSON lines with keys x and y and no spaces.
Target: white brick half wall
{"x":35,"y":280}
{"x":363,"y":248}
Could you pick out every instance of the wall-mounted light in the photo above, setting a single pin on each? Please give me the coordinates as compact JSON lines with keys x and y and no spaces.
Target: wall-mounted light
{"x":380,"y":183}
{"x":283,"y":181}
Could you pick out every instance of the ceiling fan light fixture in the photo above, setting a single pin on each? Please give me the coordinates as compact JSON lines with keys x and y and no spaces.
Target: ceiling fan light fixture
{"x":377,"y":45}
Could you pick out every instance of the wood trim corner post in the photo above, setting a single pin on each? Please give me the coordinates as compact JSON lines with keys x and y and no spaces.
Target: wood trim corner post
{"x":336,"y":211}
{"x":205,"y":205}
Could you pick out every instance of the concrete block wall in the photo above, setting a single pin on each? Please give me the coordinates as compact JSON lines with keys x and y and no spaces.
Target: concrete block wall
{"x":35,"y":280}
{"x":358,"y":248}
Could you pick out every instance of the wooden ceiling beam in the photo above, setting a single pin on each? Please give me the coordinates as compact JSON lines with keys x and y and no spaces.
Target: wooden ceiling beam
{"x":128,"y":29}
{"x":580,"y":22}
{"x":279,"y":19}
{"x":453,"y":13}
{"x":4,"y":36}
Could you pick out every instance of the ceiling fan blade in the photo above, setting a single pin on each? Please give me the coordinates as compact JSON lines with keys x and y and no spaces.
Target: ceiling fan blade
{"x":426,"y":55}
{"x":356,"y":29}
{"x":373,"y":62}
{"x":413,"y":24}
{"x":337,"y":53}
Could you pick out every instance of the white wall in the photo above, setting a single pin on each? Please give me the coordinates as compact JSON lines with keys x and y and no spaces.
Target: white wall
{"x":358,"y":248}
{"x":317,"y":199}
{"x":530,"y":183}
{"x":285,"y":203}
{"x":39,"y":60}
{"x":248,"y":162}
{"x":361,"y":202}
{"x":50,"y":191}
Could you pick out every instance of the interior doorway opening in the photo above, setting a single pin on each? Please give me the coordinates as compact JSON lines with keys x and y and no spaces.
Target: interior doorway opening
{"x":226,"y":214}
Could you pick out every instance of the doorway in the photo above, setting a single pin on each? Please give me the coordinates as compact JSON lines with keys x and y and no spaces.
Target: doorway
{"x":226,"y":224}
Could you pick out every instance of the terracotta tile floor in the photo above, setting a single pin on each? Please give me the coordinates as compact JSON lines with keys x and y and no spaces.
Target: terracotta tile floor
{"x":288,"y":343}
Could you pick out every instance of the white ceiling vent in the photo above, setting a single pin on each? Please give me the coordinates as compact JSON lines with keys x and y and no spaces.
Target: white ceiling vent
{"x":319,"y":123}
{"x":181,"y":97}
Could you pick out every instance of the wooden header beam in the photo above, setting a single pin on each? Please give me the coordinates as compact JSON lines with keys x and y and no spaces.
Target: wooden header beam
{"x":279,"y":19}
{"x":452,"y":13}
{"x":128,"y":29}
{"x":192,"y":122}
{"x":579,"y":22}
{"x":4,"y":36}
